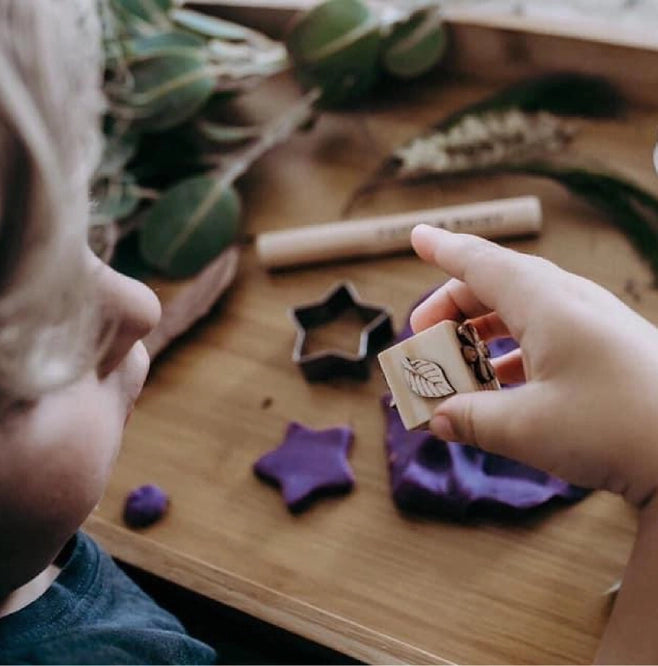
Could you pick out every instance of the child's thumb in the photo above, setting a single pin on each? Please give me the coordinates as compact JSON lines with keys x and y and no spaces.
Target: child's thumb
{"x":485,"y":419}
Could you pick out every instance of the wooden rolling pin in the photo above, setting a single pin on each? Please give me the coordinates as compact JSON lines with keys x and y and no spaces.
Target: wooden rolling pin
{"x":501,"y":218}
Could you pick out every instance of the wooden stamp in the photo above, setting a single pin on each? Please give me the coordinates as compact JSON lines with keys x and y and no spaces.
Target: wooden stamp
{"x":427,"y":368}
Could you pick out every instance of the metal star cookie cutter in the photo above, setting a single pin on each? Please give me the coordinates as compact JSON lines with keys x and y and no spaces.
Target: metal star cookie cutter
{"x":331,"y":363}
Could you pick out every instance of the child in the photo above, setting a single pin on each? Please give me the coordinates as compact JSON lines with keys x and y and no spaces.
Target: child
{"x":588,"y":411}
{"x":71,"y":364}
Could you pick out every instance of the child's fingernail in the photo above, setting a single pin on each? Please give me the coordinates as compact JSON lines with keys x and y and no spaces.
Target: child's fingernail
{"x":440,"y":425}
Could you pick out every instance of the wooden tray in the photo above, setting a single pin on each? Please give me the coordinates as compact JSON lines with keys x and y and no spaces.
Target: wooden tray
{"x":354,"y":573}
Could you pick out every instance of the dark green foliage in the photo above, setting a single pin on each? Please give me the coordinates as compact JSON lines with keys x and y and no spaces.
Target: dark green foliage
{"x":335,"y":47}
{"x":189,"y":225}
{"x":561,"y":93}
{"x":416,"y":45}
{"x":631,"y":208}
{"x":167,"y":90}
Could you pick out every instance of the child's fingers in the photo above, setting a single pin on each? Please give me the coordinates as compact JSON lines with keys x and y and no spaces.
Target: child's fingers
{"x":482,"y":418}
{"x":462,"y":255}
{"x":491,"y":326}
{"x":500,"y":279}
{"x":509,"y":423}
{"x":509,"y":368}
{"x":453,"y":300}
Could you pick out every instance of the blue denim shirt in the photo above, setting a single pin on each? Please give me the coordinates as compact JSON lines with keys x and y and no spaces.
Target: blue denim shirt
{"x":94,"y":614}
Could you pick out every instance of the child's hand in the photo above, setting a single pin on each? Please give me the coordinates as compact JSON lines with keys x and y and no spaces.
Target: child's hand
{"x":589,"y":410}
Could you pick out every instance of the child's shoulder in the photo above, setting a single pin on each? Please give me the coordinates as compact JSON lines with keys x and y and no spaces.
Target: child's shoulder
{"x":94,"y":613}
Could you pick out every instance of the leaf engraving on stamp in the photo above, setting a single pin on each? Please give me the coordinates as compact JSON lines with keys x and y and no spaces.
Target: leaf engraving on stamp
{"x":426,"y":378}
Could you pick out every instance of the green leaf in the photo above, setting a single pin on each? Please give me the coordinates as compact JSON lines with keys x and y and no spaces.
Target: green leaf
{"x":335,"y":47}
{"x":415,"y":45}
{"x":561,"y":93}
{"x":168,"y":157}
{"x":190,"y":225}
{"x":119,"y":149}
{"x":631,"y":208}
{"x":115,"y":198}
{"x":167,"y":91}
{"x":209,"y":26}
{"x":227,"y":134}
{"x":128,"y":260}
{"x":172,"y":42}
{"x":150,"y":11}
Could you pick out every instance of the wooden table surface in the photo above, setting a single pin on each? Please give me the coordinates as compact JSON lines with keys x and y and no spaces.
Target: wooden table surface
{"x":353,"y":573}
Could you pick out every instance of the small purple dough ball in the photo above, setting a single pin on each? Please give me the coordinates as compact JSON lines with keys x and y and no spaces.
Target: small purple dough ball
{"x":145,"y":505}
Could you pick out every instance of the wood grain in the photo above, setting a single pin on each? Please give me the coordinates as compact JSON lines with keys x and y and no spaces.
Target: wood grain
{"x":354,"y":573}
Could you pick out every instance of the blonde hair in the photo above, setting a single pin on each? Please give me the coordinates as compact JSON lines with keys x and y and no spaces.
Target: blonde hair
{"x":50,"y":142}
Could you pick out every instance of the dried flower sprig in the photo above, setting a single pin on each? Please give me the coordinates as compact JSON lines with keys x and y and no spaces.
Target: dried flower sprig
{"x":514,"y":121}
{"x":483,"y":141}
{"x":487,"y":138}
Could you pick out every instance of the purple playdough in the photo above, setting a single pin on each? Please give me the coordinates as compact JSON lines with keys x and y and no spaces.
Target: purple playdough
{"x":308,"y":464}
{"x":145,"y":505}
{"x":447,"y":479}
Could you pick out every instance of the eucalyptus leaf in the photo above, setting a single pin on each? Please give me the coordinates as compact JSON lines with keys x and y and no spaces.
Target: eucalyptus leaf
{"x":119,"y":149}
{"x":415,"y":45}
{"x":231,"y":167}
{"x":167,"y":157}
{"x":227,"y":134}
{"x":633,"y":209}
{"x":190,"y":225}
{"x":210,"y":26}
{"x":149,"y":11}
{"x":167,"y":91}
{"x":127,"y":259}
{"x":116,"y":198}
{"x":172,"y":42}
{"x":335,"y":47}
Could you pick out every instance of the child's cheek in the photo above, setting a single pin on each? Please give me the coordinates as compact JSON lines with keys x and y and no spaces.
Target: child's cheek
{"x":85,"y":437}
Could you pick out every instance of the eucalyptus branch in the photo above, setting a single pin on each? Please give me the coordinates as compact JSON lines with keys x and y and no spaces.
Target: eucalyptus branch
{"x":226,"y":134}
{"x":230,"y":168}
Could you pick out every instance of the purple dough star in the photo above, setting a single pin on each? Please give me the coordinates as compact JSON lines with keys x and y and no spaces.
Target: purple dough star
{"x":309,"y":463}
